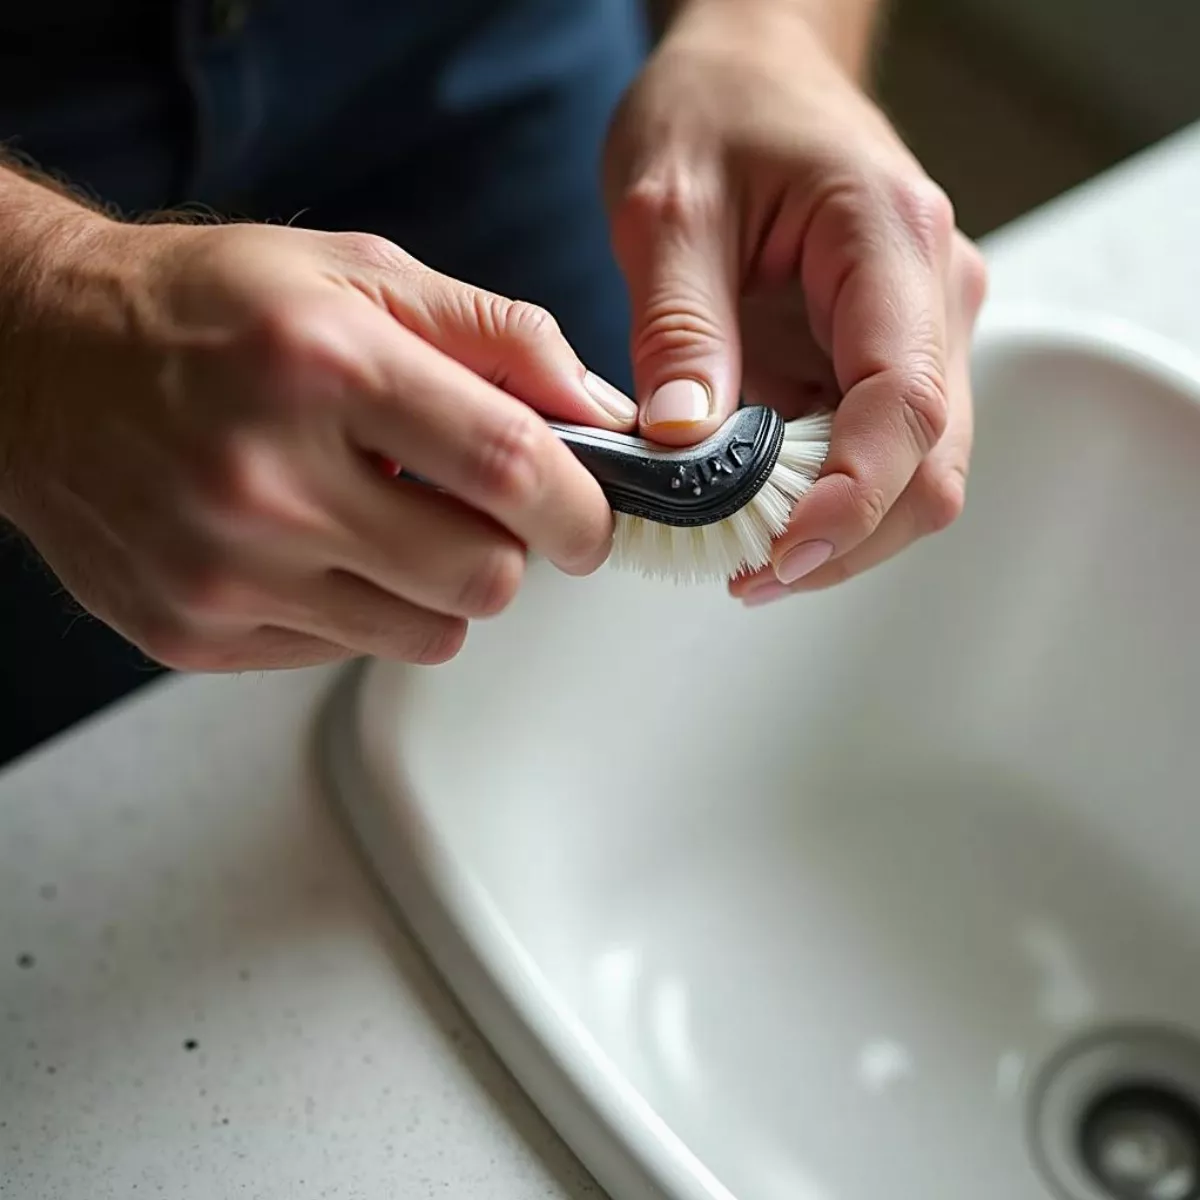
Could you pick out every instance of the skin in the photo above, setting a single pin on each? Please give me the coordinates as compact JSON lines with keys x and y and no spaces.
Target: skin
{"x":192,"y":419}
{"x":778,"y":236}
{"x":193,"y":422}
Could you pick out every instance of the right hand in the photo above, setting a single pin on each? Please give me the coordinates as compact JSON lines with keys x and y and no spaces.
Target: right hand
{"x":198,"y":420}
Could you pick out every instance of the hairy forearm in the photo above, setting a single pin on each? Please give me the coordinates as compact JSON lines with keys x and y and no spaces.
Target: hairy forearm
{"x":33,"y":203}
{"x":847,"y":27}
{"x":39,"y":221}
{"x":43,"y":230}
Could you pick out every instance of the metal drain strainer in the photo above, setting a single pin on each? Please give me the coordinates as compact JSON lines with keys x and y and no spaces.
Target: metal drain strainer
{"x":1116,"y":1116}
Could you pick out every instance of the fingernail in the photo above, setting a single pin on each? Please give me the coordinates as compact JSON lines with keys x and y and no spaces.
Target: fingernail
{"x":802,"y":560}
{"x":613,"y":401}
{"x":680,"y":402}
{"x":766,"y":593}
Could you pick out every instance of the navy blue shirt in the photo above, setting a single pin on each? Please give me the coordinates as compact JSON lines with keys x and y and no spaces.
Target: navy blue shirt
{"x":151,"y":102}
{"x":466,"y":130}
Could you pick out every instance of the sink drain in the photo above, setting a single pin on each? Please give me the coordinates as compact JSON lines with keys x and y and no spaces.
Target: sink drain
{"x":1116,"y":1116}
{"x":1143,"y":1143}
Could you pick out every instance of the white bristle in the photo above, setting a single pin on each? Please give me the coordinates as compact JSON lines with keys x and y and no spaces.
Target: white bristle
{"x":741,"y":543}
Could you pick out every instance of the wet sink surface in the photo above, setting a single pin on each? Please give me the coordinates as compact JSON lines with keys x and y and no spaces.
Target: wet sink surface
{"x":798,"y":902}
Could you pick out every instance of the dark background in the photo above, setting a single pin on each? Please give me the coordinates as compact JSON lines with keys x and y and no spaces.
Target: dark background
{"x":1008,"y":103}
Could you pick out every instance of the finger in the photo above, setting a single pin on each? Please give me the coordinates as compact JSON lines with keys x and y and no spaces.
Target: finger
{"x":936,"y":494}
{"x":268,"y":648}
{"x":444,"y":423}
{"x":876,"y":289}
{"x":217,"y":620}
{"x":932,"y":501}
{"x":520,"y":348}
{"x":426,"y":547}
{"x":935,"y":497}
{"x":515,"y":345}
{"x":349,"y":611}
{"x":674,"y":239}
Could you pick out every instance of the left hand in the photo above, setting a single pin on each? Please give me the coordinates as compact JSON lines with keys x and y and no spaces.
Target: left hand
{"x":779,"y":239}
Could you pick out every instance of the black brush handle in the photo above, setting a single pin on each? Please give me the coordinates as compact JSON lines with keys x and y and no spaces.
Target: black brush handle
{"x":687,"y":485}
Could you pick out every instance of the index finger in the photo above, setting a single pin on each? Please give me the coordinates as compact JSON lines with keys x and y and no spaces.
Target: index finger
{"x":874,"y":276}
{"x":440,"y":421}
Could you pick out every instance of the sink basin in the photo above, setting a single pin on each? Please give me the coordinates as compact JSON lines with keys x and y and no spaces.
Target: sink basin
{"x":877,"y":892}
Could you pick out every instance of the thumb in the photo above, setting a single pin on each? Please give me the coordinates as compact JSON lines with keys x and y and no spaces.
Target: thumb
{"x":513,"y":344}
{"x":681,"y":272}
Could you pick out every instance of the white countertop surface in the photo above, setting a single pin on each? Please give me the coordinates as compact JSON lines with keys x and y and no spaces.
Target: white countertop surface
{"x":201,"y":994}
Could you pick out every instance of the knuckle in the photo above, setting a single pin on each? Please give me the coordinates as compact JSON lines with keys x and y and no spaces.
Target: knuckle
{"x":843,"y":207}
{"x":508,"y":467}
{"x":505,"y":320}
{"x":673,"y":198}
{"x":868,"y":505}
{"x":205,"y":589}
{"x":675,"y":326}
{"x":372,"y":250}
{"x":854,"y":220}
{"x":439,"y":643}
{"x":286,"y":332}
{"x":925,"y":406}
{"x":297,"y":350}
{"x":493,"y":585}
{"x":941,"y":498}
{"x":174,"y":643}
{"x":925,"y":212}
{"x":242,"y":486}
{"x":221,"y":487}
{"x":974,"y":278}
{"x":524,"y":321}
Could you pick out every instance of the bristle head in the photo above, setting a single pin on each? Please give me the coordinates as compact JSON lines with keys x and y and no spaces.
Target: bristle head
{"x":741,"y":543}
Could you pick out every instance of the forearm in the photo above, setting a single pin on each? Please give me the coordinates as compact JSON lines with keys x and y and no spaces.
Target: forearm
{"x":33,"y":208}
{"x":43,"y":228}
{"x":847,"y":27}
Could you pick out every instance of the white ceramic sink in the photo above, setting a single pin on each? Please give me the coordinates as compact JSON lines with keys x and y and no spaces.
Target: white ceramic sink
{"x":868,"y":894}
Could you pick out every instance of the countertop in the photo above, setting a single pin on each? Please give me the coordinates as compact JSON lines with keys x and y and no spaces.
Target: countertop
{"x":201,"y":993}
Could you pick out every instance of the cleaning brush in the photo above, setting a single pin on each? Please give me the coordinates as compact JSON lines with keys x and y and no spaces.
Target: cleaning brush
{"x":705,"y":512}
{"x":709,"y":511}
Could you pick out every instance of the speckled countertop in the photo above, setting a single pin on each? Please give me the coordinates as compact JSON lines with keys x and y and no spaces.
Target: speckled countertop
{"x":201,"y":995}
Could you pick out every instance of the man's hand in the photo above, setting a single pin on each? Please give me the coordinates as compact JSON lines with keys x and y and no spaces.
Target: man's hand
{"x":192,"y":420}
{"x":751,"y":180}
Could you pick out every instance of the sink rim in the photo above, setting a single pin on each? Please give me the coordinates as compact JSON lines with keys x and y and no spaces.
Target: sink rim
{"x":627,"y":1147}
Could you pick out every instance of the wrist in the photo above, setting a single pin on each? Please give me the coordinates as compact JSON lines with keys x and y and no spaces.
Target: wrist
{"x":844,"y":28}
